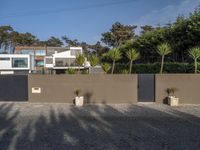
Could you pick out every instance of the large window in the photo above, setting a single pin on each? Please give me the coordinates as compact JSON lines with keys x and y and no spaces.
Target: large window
{"x":39,"y":63}
{"x":49,"y":60}
{"x":26,"y":51}
{"x":34,"y":52}
{"x":40,"y":52}
{"x":19,"y":62}
{"x":5,"y":58}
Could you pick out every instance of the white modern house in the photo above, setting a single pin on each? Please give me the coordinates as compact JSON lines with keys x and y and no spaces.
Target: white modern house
{"x":54,"y":61}
{"x":16,"y":64}
{"x":61,"y":61}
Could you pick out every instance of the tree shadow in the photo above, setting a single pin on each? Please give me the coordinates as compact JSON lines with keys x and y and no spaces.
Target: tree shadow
{"x":7,"y":126}
{"x":107,"y":127}
{"x":88,"y":96}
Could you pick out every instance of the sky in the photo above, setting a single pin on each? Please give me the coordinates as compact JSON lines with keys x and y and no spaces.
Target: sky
{"x":85,"y":20}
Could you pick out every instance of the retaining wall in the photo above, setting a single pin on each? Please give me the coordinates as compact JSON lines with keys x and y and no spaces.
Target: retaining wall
{"x":188,"y":86}
{"x":95,"y":88}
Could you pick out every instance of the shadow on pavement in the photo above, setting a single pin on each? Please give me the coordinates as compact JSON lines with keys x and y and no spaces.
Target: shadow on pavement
{"x":94,"y":127}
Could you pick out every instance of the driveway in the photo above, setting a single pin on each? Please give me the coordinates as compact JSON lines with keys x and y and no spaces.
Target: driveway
{"x":25,"y":126}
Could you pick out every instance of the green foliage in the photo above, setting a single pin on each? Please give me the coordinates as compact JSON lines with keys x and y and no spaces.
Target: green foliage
{"x":118,"y":34}
{"x":93,"y":60}
{"x":71,"y":71}
{"x":70,"y":42}
{"x":146,"y":28}
{"x":115,"y":55}
{"x":80,"y":58}
{"x":106,"y":67}
{"x":155,"y":68}
{"x":163,"y":49}
{"x":132,"y":55}
{"x":53,"y":41}
{"x":171,"y":91}
{"x":124,"y":71}
{"x":194,"y":53}
{"x":182,"y":35}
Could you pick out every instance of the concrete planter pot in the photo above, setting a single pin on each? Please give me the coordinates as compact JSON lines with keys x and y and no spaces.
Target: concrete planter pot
{"x":173,"y":101}
{"x":79,"y":101}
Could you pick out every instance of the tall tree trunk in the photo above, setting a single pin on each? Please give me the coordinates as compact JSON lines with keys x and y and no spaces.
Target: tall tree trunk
{"x":130,"y":69}
{"x":162,"y":63}
{"x":195,"y":65}
{"x":113,"y":66}
{"x":79,"y":69}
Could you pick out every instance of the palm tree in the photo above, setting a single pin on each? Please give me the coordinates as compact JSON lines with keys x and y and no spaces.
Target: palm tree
{"x":162,"y":50}
{"x":80,"y":58}
{"x":106,"y":67}
{"x":115,"y":55}
{"x":194,"y":53}
{"x":94,"y":60}
{"x":132,"y":55}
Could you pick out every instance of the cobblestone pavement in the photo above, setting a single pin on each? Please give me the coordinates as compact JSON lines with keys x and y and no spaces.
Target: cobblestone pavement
{"x":25,"y":126}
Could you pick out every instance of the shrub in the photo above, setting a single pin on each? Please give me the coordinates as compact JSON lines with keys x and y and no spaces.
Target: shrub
{"x":171,"y":91}
{"x":155,"y":68}
{"x":106,"y":67}
{"x":77,"y":92}
{"x":124,"y":71}
{"x":71,"y":71}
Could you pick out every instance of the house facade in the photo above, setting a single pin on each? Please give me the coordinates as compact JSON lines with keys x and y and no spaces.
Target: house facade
{"x":59,"y":62}
{"x":38,"y":54}
{"x":41,"y":60}
{"x":16,"y":64}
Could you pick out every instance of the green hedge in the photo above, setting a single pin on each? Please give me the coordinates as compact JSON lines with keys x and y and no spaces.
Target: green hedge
{"x":155,"y":68}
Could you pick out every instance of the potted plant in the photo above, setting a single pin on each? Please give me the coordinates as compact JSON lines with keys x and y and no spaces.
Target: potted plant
{"x":172,"y":99}
{"x":78,"y":99}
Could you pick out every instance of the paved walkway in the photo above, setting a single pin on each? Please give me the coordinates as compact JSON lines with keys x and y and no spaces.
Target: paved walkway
{"x":25,"y":126}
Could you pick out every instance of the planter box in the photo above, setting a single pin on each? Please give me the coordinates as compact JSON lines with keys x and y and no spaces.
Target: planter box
{"x":173,"y":101}
{"x":79,"y":101}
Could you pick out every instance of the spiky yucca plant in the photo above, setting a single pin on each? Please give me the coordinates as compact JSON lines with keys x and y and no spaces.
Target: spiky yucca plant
{"x":194,"y":53}
{"x":162,"y":50}
{"x":132,"y":55}
{"x":94,"y":60}
{"x":115,"y":55}
{"x":80,"y":58}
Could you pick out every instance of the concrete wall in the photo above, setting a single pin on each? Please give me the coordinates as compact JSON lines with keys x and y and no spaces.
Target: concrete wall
{"x":95,"y":88}
{"x":188,"y":86}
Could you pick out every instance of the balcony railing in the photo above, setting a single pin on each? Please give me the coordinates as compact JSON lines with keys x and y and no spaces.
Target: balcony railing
{"x":65,"y":64}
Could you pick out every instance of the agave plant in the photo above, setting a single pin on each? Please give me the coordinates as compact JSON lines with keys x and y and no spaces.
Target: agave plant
{"x":162,"y":50}
{"x":171,"y":91}
{"x":106,"y":67}
{"x":132,"y":55}
{"x":194,"y":53}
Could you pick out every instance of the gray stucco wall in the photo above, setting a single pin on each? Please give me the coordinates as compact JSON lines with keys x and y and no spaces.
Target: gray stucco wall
{"x":95,"y":88}
{"x":188,"y":86}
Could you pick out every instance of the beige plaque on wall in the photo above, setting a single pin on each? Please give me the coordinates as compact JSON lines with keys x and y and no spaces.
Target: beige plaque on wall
{"x":36,"y":90}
